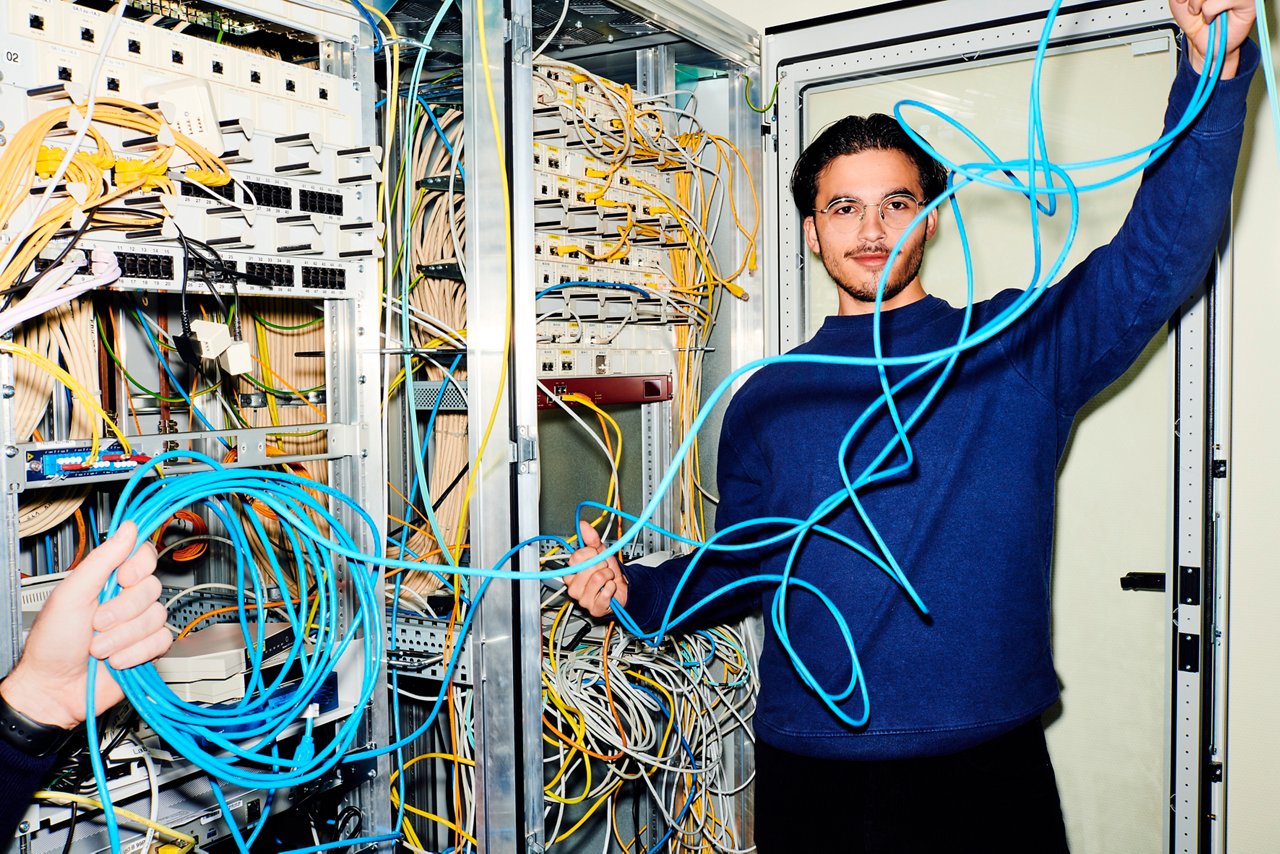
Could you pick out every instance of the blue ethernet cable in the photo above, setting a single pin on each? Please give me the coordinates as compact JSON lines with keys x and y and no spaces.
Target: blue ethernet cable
{"x":373,"y":25}
{"x":590,"y":284}
{"x":801,"y":527}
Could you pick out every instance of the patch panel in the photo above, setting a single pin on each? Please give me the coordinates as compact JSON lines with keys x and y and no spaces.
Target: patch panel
{"x":140,"y":265}
{"x":60,"y":464}
{"x":315,"y":201}
{"x":271,"y":195}
{"x":280,"y":275}
{"x":325,"y":278}
{"x":227,"y":191}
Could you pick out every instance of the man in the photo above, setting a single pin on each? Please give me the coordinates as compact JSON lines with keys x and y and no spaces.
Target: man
{"x":953,"y":756}
{"x":42,"y":701}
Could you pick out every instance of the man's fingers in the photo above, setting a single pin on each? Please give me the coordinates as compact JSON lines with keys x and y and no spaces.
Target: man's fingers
{"x":581,"y":584}
{"x":141,"y":564}
{"x":590,"y":537}
{"x":151,"y":646}
{"x":131,"y":602}
{"x":125,"y":635}
{"x":602,"y":602}
{"x":86,"y":581}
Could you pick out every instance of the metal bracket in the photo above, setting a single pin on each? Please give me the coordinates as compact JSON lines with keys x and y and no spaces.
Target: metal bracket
{"x":1188,"y":585}
{"x":1188,"y":653}
{"x":1150,"y":581}
{"x":519,"y":33}
{"x":524,"y":450}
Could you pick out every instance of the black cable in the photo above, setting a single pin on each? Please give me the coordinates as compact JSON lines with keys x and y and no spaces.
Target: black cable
{"x":435,"y":505}
{"x":346,"y":815}
{"x":71,"y":828}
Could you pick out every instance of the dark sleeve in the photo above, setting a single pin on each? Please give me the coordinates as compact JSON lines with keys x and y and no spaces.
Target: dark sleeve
{"x":740,"y":475}
{"x":1090,"y":327}
{"x":20,"y":776}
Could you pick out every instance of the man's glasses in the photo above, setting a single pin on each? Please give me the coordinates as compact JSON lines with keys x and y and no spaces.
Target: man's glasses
{"x":896,"y":212}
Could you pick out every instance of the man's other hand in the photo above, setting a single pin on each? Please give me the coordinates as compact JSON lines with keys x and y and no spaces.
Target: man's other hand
{"x":1194,"y":17}
{"x":594,"y":588}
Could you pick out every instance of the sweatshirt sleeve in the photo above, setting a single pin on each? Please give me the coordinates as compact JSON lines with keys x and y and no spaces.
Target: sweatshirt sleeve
{"x":1089,"y":328}
{"x":740,"y":475}
{"x":20,"y":776}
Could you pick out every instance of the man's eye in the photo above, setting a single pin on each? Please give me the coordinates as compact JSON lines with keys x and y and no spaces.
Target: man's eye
{"x":845,"y":210}
{"x":897,"y":205}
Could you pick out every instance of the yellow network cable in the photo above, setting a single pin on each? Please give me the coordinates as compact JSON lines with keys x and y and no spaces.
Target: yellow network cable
{"x":26,"y":159}
{"x":608,"y":793}
{"x":188,"y":842}
{"x":79,"y":391}
{"x":395,"y":796}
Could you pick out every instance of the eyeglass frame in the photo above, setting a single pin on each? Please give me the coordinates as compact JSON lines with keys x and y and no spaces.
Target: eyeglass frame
{"x":879,"y":206}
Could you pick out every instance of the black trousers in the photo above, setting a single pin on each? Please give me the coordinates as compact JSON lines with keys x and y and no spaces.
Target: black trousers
{"x":998,"y":797}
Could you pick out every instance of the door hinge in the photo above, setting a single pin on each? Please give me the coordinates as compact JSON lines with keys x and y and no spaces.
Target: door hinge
{"x":524,"y":450}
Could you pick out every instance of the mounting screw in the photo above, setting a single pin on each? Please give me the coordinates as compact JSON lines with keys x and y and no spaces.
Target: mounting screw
{"x":1,"y":125}
{"x":2,"y":139}
{"x":23,"y":827}
{"x":10,"y":450}
{"x":8,"y":391}
{"x":362,"y":379}
{"x":364,"y":453}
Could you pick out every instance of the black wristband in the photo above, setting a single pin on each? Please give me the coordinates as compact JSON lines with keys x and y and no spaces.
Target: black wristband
{"x":31,"y":737}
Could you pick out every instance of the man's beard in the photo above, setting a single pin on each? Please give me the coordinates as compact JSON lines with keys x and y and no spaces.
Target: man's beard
{"x":906,"y":266}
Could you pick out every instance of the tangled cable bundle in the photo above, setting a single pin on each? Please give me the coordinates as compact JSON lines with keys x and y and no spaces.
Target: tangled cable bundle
{"x":237,"y":742}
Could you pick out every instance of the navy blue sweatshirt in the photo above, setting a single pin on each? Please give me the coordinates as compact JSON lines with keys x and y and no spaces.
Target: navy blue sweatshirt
{"x":971,"y":521}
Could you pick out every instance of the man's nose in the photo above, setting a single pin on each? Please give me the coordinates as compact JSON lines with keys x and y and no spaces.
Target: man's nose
{"x":872,"y":227}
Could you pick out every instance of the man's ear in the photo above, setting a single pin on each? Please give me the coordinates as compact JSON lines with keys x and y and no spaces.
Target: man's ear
{"x":811,"y":235}
{"x":930,"y":225}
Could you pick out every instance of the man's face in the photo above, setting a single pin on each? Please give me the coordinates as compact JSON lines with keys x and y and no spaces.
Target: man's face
{"x":855,"y":257}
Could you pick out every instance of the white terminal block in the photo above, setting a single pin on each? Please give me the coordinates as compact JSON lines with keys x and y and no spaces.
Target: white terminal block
{"x":236,"y":359}
{"x":211,"y":339}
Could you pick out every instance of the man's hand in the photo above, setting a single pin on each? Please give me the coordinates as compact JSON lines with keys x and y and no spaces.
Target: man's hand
{"x":48,"y":683}
{"x":594,"y":588}
{"x":1194,"y":16}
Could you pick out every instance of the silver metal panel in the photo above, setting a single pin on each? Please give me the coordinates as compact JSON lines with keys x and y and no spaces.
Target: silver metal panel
{"x":363,"y":468}
{"x":655,"y":444}
{"x":1221,"y":407}
{"x":826,"y":53}
{"x":524,"y":401}
{"x":498,"y":809}
{"x":11,"y":642}
{"x":1189,"y":492}
{"x":702,"y":24}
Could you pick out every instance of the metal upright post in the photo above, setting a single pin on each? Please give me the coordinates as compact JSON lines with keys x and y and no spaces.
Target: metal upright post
{"x":495,"y":640}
